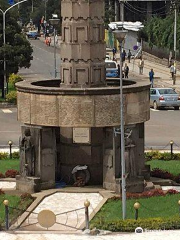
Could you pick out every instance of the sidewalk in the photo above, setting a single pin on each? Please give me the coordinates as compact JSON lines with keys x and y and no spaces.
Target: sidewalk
{"x":162,"y":73}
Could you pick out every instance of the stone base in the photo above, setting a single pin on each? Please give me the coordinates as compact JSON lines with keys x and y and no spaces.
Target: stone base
{"x":134,"y":185}
{"x":109,"y":186}
{"x":28,"y":184}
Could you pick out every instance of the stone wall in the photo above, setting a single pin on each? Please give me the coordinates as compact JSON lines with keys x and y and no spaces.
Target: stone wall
{"x":97,"y":107}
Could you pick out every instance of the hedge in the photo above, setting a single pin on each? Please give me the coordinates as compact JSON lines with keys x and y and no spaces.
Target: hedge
{"x":166,"y":156}
{"x":130,"y":225}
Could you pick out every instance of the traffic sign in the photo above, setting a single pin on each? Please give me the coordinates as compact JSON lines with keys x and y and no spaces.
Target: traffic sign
{"x":11,"y":2}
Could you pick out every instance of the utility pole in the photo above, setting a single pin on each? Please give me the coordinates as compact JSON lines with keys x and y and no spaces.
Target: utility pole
{"x":32,"y":6}
{"x":121,"y":4}
{"x":175,"y":39}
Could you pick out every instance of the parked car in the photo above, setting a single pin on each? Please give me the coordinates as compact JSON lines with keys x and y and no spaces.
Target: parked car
{"x":111,"y":69}
{"x":108,"y":57}
{"x":164,"y":97}
{"x":32,"y":34}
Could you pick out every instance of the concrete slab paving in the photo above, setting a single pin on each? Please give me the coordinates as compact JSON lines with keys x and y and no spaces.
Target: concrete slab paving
{"x":60,"y":203}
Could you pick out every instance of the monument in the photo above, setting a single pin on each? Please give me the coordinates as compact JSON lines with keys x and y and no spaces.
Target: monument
{"x":71,"y":122}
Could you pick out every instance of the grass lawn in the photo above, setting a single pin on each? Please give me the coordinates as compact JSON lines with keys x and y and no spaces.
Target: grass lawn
{"x":9,"y":164}
{"x":172,"y":166}
{"x":14,"y":201}
{"x":161,"y":206}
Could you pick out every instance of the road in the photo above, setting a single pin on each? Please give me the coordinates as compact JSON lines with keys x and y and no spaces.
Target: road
{"x":42,"y":66}
{"x":162,"y":127}
{"x":159,"y":130}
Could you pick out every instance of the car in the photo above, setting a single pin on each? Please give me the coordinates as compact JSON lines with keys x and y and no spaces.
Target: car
{"x":108,"y":57}
{"x":164,"y":97}
{"x":111,"y":69}
{"x":32,"y":34}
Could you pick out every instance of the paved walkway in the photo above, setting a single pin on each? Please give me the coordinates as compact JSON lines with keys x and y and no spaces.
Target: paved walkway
{"x":60,"y":203}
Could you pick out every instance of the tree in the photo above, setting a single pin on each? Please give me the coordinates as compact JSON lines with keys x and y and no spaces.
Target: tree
{"x":17,"y":51}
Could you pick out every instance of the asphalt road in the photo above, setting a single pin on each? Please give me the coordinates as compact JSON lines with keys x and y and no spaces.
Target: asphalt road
{"x":42,"y":66}
{"x":162,"y":127}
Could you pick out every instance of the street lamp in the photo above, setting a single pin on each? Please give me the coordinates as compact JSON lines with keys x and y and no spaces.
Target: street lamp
{"x":120,"y":36}
{"x":10,"y":143}
{"x":4,"y":42}
{"x":54,"y":22}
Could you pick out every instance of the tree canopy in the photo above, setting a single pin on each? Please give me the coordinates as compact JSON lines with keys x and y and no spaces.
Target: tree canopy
{"x":17,"y":50}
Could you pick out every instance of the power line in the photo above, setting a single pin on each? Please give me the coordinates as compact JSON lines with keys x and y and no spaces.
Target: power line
{"x":130,"y":6}
{"x":137,"y":12}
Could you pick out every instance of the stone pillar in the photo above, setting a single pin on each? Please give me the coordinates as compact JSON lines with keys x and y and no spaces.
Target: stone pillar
{"x":37,"y":159}
{"x":83,"y":46}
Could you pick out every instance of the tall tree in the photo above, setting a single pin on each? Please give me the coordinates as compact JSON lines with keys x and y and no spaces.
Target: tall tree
{"x":17,"y":50}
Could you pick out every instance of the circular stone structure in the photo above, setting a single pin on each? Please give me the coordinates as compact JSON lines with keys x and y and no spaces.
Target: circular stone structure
{"x":44,"y":103}
{"x":76,"y":121}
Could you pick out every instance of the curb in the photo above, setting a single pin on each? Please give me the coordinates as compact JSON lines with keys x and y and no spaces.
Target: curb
{"x":7,"y":105}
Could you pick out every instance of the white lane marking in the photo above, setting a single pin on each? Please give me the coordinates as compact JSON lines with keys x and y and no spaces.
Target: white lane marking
{"x":6,"y":111}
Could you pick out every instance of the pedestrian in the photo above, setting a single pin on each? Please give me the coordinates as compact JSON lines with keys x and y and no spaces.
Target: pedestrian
{"x":141,"y":65}
{"x":123,"y":56}
{"x":46,"y":41}
{"x":49,"y":41}
{"x":172,"y":71}
{"x":151,"y":77}
{"x":126,"y":70}
{"x":114,"y":53}
{"x":118,"y":66}
{"x":129,"y":55}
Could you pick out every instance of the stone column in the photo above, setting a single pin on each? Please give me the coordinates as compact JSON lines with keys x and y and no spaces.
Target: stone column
{"x":83,"y":46}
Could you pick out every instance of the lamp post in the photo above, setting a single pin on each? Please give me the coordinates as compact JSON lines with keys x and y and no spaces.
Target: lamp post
{"x":54,"y":22}
{"x":136,"y":207}
{"x":120,"y":36}
{"x":4,"y":43}
{"x":10,"y":143}
{"x":171,"y":144}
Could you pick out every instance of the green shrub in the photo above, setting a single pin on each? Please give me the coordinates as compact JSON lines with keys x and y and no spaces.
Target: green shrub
{"x":166,"y":156}
{"x":15,"y":155}
{"x":11,"y":97}
{"x":130,"y":225}
{"x":14,"y":78}
{"x":3,"y":155}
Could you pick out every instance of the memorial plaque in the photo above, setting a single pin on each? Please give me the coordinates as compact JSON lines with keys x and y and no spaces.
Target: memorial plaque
{"x":81,"y":135}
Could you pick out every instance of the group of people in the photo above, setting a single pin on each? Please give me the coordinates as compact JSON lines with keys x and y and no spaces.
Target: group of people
{"x":123,"y":55}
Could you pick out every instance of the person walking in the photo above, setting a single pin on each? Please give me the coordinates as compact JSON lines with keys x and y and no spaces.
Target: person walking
{"x":172,"y":71}
{"x":129,"y":55}
{"x":49,"y":41}
{"x":141,"y":66}
{"x":123,"y":56}
{"x":118,"y":66}
{"x":151,"y":77}
{"x":114,"y":53}
{"x":126,"y":70}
